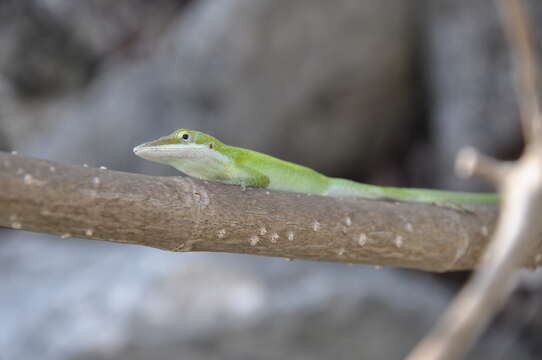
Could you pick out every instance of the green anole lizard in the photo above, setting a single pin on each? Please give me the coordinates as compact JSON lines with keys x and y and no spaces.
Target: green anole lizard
{"x":204,"y":157}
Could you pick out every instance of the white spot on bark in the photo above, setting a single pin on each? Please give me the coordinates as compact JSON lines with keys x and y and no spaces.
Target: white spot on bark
{"x":65,"y":236}
{"x":30,"y":180}
{"x":348,"y":221}
{"x":103,"y":168}
{"x":484,"y":230}
{"x":408,"y":227}
{"x":316,"y":226}
{"x":254,"y":240}
{"x":262,"y":231}
{"x":291,"y":235}
{"x":14,"y":152}
{"x":85,"y":165}
{"x":221,"y":233}
{"x":398,"y":241}
{"x":27,"y":179}
{"x":362,"y":239}
{"x":341,"y":251}
{"x":243,"y":187}
{"x":274,"y":237}
{"x":96,"y":180}
{"x":89,"y":232}
{"x":16,"y":225}
{"x":267,"y":193}
{"x":52,"y":169}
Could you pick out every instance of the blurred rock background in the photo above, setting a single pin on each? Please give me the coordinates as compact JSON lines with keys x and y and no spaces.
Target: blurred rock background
{"x":382,"y":91}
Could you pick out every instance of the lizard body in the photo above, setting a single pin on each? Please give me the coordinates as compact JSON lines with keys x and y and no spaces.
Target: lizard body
{"x":204,"y":157}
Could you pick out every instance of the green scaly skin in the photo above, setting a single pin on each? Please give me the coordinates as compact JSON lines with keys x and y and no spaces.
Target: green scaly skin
{"x":204,"y":157}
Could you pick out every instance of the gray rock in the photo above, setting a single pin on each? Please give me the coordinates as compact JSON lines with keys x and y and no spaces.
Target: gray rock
{"x":317,"y":82}
{"x":63,"y":299}
{"x":287,"y":78}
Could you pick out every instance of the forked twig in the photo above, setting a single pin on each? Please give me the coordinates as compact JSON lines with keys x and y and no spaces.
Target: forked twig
{"x":519,"y":228}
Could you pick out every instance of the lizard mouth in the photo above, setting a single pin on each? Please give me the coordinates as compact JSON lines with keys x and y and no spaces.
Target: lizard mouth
{"x":164,"y":152}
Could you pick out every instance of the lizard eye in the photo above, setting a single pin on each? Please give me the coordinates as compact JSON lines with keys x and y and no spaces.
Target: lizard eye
{"x":185,"y":136}
{"x":211,"y":145}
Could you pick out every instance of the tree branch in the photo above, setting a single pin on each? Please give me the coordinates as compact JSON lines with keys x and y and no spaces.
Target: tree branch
{"x":182,"y":214}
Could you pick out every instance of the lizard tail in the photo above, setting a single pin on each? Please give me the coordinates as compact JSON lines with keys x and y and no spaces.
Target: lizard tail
{"x":343,"y":187}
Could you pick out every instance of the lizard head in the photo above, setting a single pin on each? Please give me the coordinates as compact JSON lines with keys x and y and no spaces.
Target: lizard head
{"x":180,"y":144}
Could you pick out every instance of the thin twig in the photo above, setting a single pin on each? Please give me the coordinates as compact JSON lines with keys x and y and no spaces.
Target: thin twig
{"x":472,"y":163}
{"x":182,"y":214}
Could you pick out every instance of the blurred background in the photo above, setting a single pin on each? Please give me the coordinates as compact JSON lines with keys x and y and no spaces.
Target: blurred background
{"x":380,"y":91}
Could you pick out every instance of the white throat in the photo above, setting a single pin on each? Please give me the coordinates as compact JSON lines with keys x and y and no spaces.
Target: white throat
{"x":196,"y":160}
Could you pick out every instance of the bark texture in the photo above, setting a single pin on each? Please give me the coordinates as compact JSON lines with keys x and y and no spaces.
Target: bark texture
{"x":182,"y":214}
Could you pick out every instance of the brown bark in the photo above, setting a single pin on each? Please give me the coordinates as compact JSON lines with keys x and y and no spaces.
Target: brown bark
{"x":183,"y":214}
